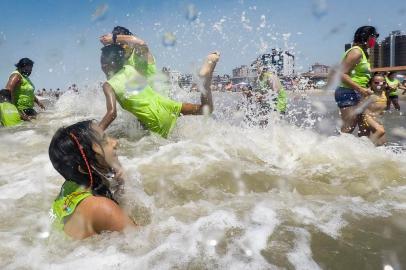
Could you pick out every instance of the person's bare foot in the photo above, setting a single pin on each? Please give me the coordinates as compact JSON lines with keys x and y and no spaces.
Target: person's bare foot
{"x":209,"y":64}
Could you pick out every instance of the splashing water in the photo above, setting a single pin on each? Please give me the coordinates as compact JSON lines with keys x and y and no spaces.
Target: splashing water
{"x":191,"y":13}
{"x":100,"y":13}
{"x":319,"y":8}
{"x":216,"y":194}
{"x":169,"y":39}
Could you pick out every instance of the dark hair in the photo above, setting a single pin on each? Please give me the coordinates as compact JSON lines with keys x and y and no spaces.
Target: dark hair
{"x":24,"y":62}
{"x":66,"y":156}
{"x":120,"y":30}
{"x":5,"y":95}
{"x":363,"y":33}
{"x":113,"y":53}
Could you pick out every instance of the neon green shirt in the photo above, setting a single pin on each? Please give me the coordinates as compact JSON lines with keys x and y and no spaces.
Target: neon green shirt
{"x":361,"y":74}
{"x":393,"y":86}
{"x":282,"y":98}
{"x":69,"y":197}
{"x":24,"y":93}
{"x":157,"y":113}
{"x":9,"y":115}
{"x":141,"y":65}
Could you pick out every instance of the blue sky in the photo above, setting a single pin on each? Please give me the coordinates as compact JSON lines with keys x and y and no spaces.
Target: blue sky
{"x":62,"y":36}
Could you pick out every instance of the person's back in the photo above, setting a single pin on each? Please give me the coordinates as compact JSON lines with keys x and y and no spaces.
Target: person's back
{"x":9,"y":115}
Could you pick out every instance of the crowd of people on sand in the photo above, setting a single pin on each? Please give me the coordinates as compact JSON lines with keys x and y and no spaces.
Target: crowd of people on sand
{"x":86,"y":157}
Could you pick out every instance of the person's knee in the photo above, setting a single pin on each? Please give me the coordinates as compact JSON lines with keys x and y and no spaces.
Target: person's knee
{"x":380,"y":132}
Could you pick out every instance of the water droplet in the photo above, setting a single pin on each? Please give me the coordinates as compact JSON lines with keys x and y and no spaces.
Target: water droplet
{"x":43,"y":235}
{"x":387,"y":267}
{"x":212,"y":242}
{"x":135,"y":85}
{"x":319,"y":8}
{"x":100,"y":13}
{"x":50,"y":70}
{"x":169,"y":39}
{"x":191,"y":13}
{"x":248,"y":252}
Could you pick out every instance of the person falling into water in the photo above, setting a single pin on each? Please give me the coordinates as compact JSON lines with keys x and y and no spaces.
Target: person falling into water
{"x":86,"y":158}
{"x":22,"y":89}
{"x":155,"y":112}
{"x":374,"y":106}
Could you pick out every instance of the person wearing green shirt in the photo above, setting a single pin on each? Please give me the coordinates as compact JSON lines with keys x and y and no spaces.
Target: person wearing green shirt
{"x":9,"y":115}
{"x":269,"y":81}
{"x":355,"y":75}
{"x":22,"y":89}
{"x":155,"y":112}
{"x":392,"y":86}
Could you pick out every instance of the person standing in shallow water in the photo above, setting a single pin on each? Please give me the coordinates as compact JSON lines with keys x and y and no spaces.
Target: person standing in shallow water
{"x":392,"y":87}
{"x":22,"y":89}
{"x":155,"y":112}
{"x":356,"y":74}
{"x":86,"y":158}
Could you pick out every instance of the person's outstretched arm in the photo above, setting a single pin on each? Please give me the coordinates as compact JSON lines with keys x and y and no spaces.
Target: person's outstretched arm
{"x":134,"y":42}
{"x":111,"y":112}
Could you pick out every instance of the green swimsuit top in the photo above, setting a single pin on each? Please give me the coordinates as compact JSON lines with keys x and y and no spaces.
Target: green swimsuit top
{"x":69,"y":197}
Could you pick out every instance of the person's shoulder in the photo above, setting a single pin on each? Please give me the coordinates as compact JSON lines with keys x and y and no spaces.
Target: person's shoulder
{"x":98,"y":205}
{"x":355,"y":52}
{"x":15,"y":75}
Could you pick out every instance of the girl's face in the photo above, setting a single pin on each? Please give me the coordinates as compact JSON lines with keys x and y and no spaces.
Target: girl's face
{"x":26,"y":70}
{"x":107,"y":150}
{"x":378,"y":83}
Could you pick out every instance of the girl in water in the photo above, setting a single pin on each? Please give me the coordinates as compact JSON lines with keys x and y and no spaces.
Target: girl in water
{"x":86,"y":158}
{"x":356,"y":73}
{"x":375,"y":105}
{"x":155,"y":112}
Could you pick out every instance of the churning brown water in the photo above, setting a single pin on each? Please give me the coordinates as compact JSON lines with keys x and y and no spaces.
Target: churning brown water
{"x":217,"y":194}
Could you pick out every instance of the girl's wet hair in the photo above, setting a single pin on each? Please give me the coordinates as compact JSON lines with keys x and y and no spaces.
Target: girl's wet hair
{"x":120,"y":30}
{"x":113,"y":53}
{"x":363,"y":33}
{"x":24,"y":62}
{"x":71,"y":148}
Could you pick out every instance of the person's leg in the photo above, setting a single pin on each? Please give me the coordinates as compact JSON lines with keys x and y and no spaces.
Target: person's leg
{"x":377,"y":135}
{"x":395,"y":102}
{"x":363,"y":127}
{"x":388,"y":102}
{"x":205,"y":73}
{"x":349,"y":118}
